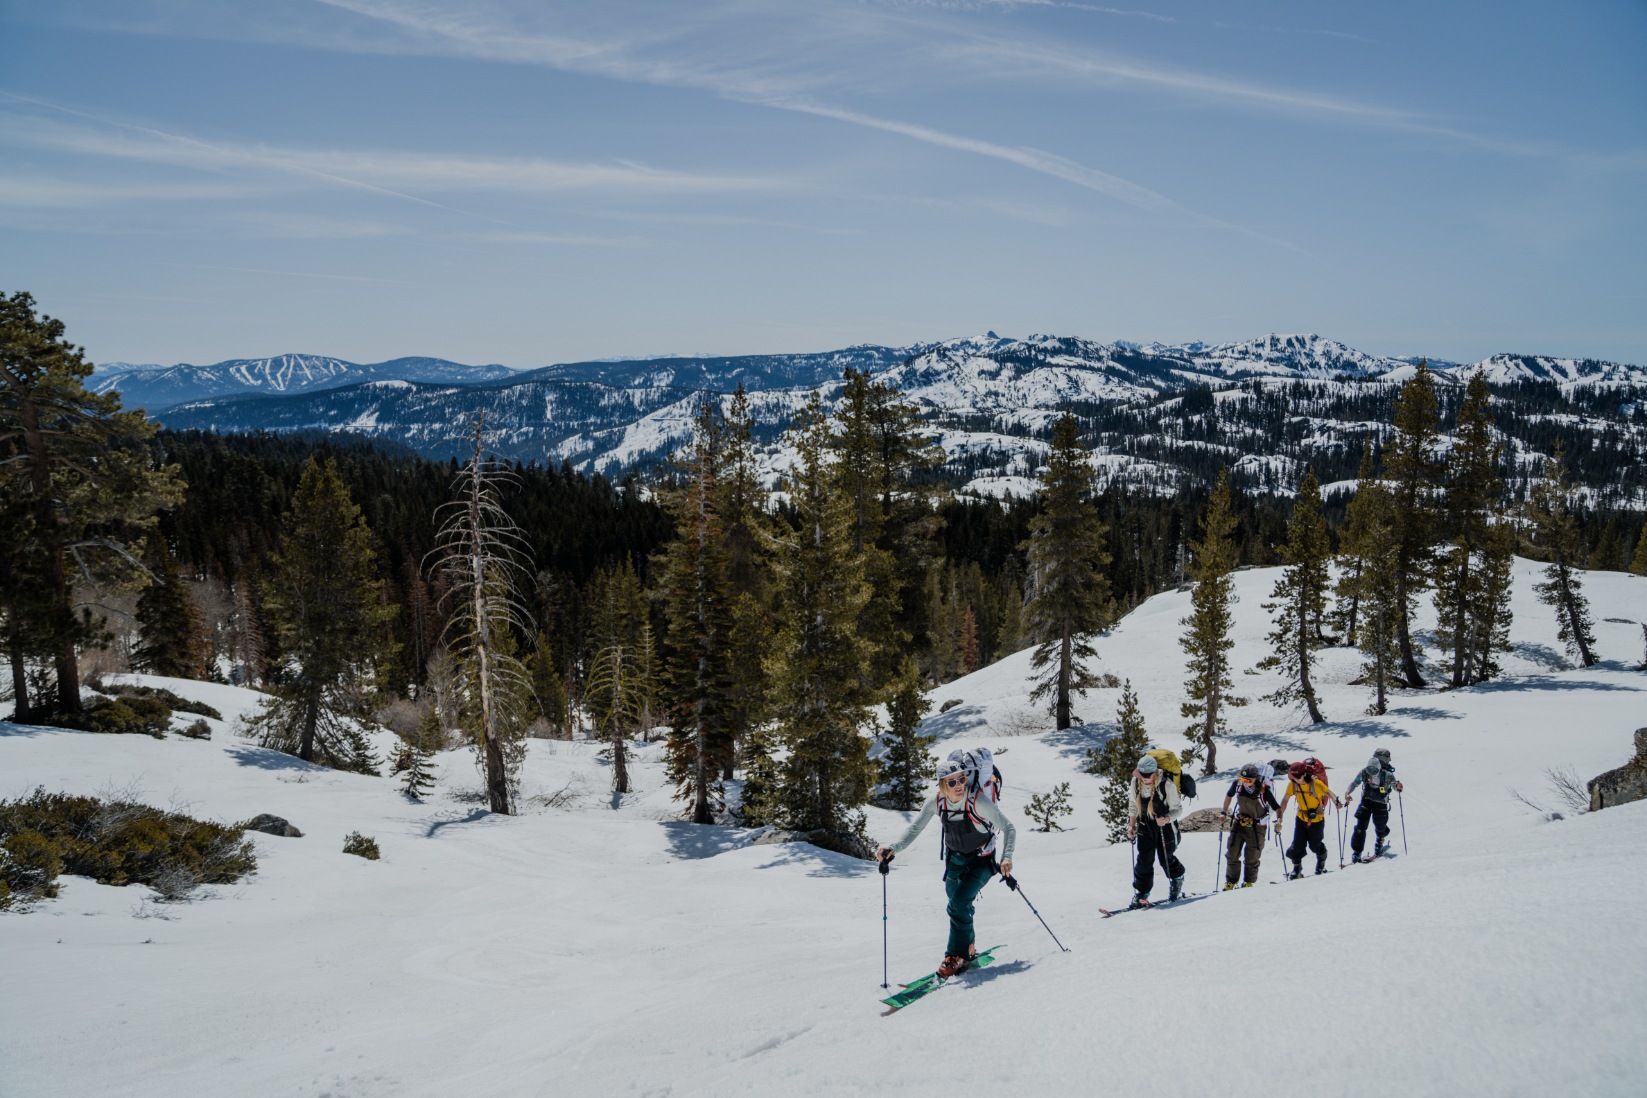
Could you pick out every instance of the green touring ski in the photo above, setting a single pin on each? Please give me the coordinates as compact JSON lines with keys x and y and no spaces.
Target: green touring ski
{"x":929,"y":983}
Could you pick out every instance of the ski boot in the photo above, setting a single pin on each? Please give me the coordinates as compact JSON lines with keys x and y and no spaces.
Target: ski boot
{"x":1229,"y":886}
{"x":1248,"y":884}
{"x":953,"y":966}
{"x":1139,"y":899}
{"x":1177,"y":890}
{"x":1381,"y":849}
{"x":1320,"y":866}
{"x":1357,"y":859}
{"x":1297,"y":871}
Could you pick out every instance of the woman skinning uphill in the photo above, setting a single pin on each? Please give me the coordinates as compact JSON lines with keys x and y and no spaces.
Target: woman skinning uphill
{"x":1308,"y":782}
{"x":1253,"y":800}
{"x":973,"y":832}
{"x":1154,"y":805}
{"x":1379,"y":778}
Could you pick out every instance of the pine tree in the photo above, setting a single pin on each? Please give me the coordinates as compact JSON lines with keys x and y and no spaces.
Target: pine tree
{"x":617,"y":621}
{"x":547,"y":687}
{"x":1045,"y":808}
{"x":419,"y":775}
{"x":1608,"y":550}
{"x":966,"y":643}
{"x":1070,"y":589}
{"x":1114,"y":762}
{"x":1207,"y":638}
{"x":1490,"y":621}
{"x":1555,"y":532}
{"x":1638,"y":563}
{"x":615,"y":678}
{"x":251,"y":661}
{"x":323,"y":605}
{"x":1301,"y":598}
{"x":1474,"y":493}
{"x":482,"y":556}
{"x":906,"y":763}
{"x":77,"y":488}
{"x":168,"y":622}
{"x":698,"y":605}
{"x":817,"y":670}
{"x":1351,"y":563}
{"x":747,"y":703}
{"x":1382,"y":599}
{"x":1414,"y":473}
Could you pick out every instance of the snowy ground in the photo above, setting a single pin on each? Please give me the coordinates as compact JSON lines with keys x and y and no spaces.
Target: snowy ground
{"x":588,"y":948}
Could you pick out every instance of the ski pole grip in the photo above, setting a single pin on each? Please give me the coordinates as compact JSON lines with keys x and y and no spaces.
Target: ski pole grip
{"x":886,"y":863}
{"x":1009,"y":881}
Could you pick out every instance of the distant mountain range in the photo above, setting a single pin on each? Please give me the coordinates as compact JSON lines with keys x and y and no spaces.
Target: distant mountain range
{"x":1157,"y":415}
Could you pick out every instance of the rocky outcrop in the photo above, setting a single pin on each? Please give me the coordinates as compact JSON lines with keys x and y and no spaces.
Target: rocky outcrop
{"x":273,"y":825}
{"x":841,"y":842}
{"x":1625,"y":784}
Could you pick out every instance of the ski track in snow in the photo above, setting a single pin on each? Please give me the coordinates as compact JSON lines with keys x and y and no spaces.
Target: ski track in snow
{"x":591,"y":951}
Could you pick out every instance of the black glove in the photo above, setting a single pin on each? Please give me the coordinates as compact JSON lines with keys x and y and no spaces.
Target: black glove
{"x":1010,"y":882}
{"x":886,"y":863}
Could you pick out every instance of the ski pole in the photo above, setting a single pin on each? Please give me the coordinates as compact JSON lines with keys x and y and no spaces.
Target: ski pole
{"x":1012,"y":883}
{"x":1220,"y":855}
{"x":1339,"y":812}
{"x":886,"y":870}
{"x":1402,"y":808}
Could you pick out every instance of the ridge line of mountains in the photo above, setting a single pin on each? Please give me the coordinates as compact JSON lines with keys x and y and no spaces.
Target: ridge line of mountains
{"x":1157,"y":415}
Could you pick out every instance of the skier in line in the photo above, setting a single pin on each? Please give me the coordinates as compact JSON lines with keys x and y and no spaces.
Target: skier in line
{"x":1311,"y":828}
{"x":1253,"y":800}
{"x":1154,"y":805}
{"x":971,"y":830}
{"x":1379,"y":777}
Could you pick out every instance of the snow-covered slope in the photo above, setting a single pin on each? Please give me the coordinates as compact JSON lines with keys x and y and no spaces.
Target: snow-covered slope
{"x":590,"y":947}
{"x":159,"y":387}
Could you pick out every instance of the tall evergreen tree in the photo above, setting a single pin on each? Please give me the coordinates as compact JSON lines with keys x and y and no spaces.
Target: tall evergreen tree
{"x":698,"y":604}
{"x":817,"y":669}
{"x":1638,"y":563}
{"x":1555,"y":533}
{"x":1069,"y":588}
{"x":615,"y":678}
{"x":617,"y":614}
{"x":323,"y":604}
{"x":483,"y":558}
{"x":1207,"y":639}
{"x":966,"y":642}
{"x":1490,"y":618}
{"x":1465,"y":593}
{"x":168,"y":621}
{"x":548,"y":688}
{"x":1351,"y":564}
{"x":1300,"y":596}
{"x":77,"y":487}
{"x":906,"y":764}
{"x":1382,"y":597}
{"x":1414,"y":474}
{"x":1114,"y":760}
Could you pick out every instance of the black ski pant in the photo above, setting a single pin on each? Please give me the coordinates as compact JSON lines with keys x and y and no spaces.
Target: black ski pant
{"x":1379,"y":814}
{"x":1312,"y":834}
{"x":1249,"y":837}
{"x":1155,"y":842}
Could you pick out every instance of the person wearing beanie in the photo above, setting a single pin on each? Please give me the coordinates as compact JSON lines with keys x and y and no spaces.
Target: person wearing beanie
{"x":1378,"y":776}
{"x":973,"y":830}
{"x":1153,"y":805}
{"x":1253,"y":799}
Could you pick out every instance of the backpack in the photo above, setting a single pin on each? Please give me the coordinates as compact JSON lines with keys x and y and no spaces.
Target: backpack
{"x":1168,"y":761}
{"x":975,"y":765}
{"x":1311,"y":767}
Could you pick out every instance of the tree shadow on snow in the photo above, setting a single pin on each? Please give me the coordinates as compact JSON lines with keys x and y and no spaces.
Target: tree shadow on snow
{"x":1541,"y":654}
{"x":690,"y":841}
{"x":474,"y":815}
{"x":1076,"y":740}
{"x":1425,"y":713}
{"x":823,"y":863}
{"x":1373,"y":728}
{"x":266,"y":758}
{"x":1267,"y":741}
{"x":7,"y":728}
{"x":1556,"y":684}
{"x":961,"y":720}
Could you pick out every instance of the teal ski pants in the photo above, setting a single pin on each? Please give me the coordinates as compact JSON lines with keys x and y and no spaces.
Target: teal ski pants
{"x":964,"y":877}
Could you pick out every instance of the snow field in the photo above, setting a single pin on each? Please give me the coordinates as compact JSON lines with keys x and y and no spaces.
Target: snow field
{"x":593,"y":948}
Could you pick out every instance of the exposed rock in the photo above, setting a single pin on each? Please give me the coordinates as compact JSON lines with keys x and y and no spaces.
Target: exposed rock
{"x":1625,"y":784}
{"x":1202,"y":819}
{"x":841,"y":842}
{"x":948,"y":705}
{"x":273,"y":825}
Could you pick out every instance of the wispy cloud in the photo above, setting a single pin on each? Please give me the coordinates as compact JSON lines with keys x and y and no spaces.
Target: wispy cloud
{"x":43,"y":192}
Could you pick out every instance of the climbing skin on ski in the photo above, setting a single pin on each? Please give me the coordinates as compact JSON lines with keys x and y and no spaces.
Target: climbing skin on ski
{"x":926,"y":985}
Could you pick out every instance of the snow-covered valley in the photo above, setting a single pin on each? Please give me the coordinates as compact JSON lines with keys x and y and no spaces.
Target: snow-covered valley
{"x":591,"y":946}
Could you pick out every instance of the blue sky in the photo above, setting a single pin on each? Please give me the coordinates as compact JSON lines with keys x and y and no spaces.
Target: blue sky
{"x":527,"y":182}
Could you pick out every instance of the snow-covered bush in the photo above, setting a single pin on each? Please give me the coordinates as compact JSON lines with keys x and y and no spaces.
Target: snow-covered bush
{"x":119,"y":716}
{"x":363,"y":846}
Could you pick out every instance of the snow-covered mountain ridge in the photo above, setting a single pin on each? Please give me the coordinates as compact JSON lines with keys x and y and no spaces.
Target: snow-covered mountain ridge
{"x":1156,"y":415}
{"x":157,"y":387}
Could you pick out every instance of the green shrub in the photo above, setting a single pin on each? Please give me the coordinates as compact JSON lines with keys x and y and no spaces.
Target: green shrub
{"x":160,"y":693}
{"x":119,"y":716}
{"x":361,"y":845}
{"x":114,"y":842}
{"x":198,"y":730}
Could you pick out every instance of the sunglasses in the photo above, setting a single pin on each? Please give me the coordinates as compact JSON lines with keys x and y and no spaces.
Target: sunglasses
{"x":956,"y":782}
